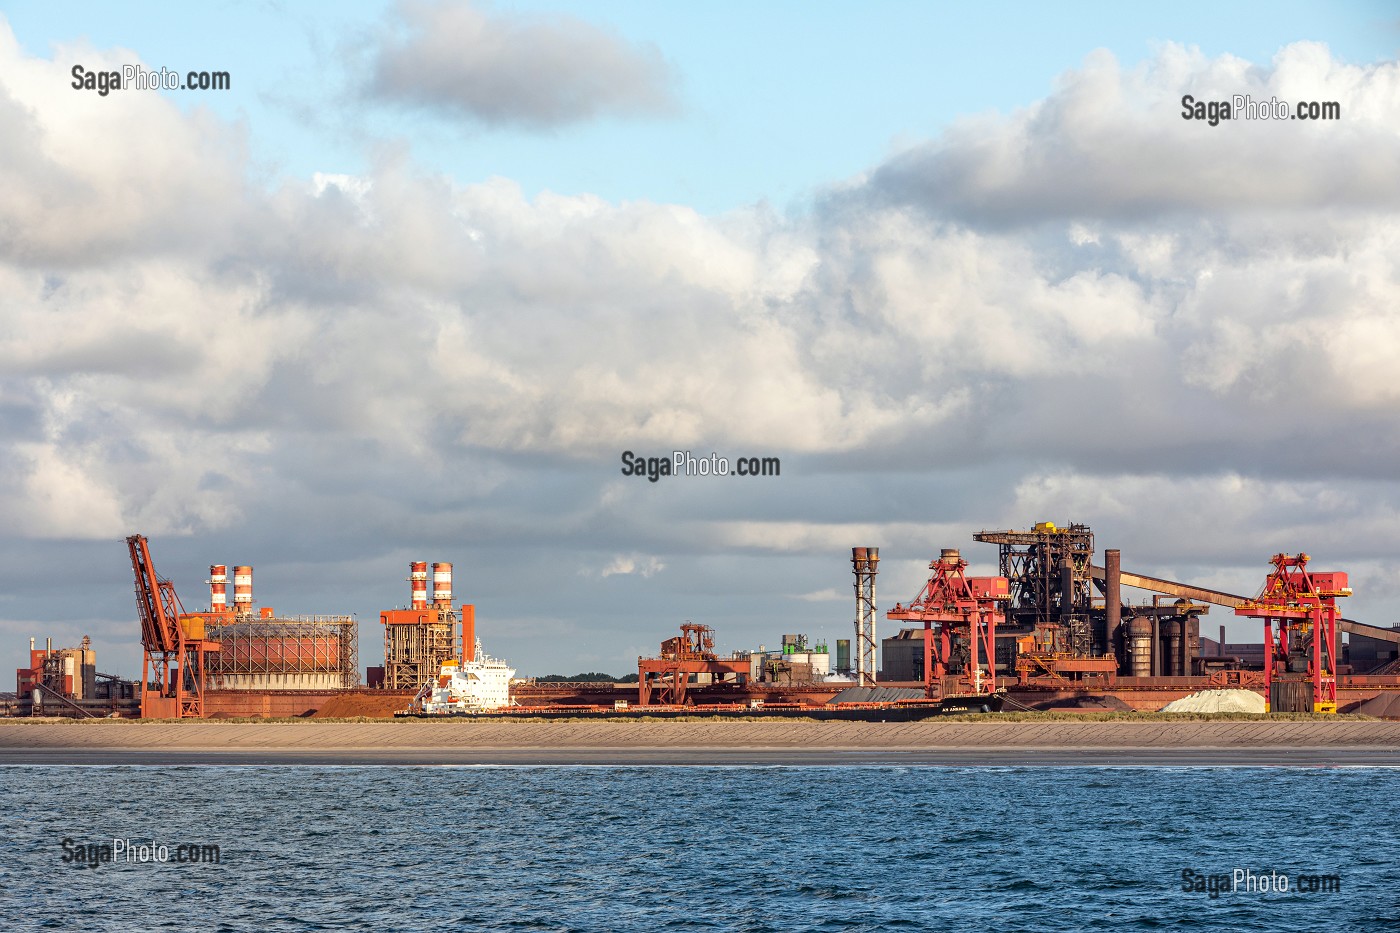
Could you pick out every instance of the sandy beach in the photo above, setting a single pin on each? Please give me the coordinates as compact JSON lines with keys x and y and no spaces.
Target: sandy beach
{"x":1318,"y":744}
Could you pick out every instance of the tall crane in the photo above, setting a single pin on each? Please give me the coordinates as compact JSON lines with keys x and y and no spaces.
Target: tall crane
{"x":173,"y":644}
{"x":1303,"y":603}
{"x":967,"y":610}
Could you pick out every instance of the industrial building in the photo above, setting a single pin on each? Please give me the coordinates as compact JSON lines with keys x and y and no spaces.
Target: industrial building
{"x":1052,"y":625}
{"x":66,"y":682}
{"x":238,"y":659}
{"x":264,"y":651}
{"x":417,"y":640}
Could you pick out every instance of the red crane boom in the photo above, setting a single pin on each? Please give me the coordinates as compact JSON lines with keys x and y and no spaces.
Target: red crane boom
{"x":173,"y":644}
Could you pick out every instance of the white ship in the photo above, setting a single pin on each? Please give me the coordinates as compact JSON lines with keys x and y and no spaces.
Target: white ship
{"x":478,"y":686}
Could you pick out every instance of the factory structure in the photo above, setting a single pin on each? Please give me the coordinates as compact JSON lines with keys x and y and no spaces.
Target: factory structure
{"x":1053,"y":626}
{"x":1056,"y":620}
{"x":417,"y":640}
{"x":237,"y":659}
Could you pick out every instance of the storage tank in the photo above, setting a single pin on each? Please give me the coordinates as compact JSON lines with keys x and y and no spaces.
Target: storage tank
{"x":1171,"y":636}
{"x":306,"y":653}
{"x":1140,"y":647}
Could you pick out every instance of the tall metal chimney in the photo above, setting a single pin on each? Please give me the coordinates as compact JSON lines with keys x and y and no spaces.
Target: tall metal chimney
{"x":865,"y":563}
{"x":418,"y":584}
{"x":442,"y":586}
{"x":1113,"y":595}
{"x":218,"y":588}
{"x":468,"y":632}
{"x":243,"y":590}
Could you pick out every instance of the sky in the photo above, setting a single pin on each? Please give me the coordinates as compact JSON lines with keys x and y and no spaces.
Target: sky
{"x":412,"y":284}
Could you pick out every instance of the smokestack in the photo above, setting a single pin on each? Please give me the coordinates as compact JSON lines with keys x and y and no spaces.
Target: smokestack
{"x":243,"y":590}
{"x":218,"y":588}
{"x":468,"y":633}
{"x":442,"y":586}
{"x":872,"y":563}
{"x":418,"y":584}
{"x":1221,"y":650}
{"x":1113,"y":584}
{"x":865,"y":563}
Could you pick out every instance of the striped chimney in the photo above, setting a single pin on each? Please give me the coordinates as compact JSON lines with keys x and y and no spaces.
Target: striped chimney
{"x":442,"y":586}
{"x":243,"y":590}
{"x":418,"y":578}
{"x":218,"y":588}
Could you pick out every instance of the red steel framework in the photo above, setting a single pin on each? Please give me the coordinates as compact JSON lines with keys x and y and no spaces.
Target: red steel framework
{"x":692,"y":652}
{"x":963,"y":605}
{"x":174,"y":648}
{"x":1304,"y":604}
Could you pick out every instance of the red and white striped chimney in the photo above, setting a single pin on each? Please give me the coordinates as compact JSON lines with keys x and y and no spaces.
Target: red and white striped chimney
{"x":418,"y":578}
{"x":218,"y":588}
{"x":243,"y":590}
{"x":442,"y":586}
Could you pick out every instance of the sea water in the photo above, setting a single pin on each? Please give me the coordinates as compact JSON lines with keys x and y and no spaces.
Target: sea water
{"x":698,"y":848}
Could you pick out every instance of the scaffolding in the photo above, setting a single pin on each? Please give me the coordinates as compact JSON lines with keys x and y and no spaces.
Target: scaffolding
{"x":1049,"y":570}
{"x":416,"y":643}
{"x":295,"y":652}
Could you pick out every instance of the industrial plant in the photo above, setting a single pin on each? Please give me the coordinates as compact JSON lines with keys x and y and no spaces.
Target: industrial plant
{"x":1053,"y":630}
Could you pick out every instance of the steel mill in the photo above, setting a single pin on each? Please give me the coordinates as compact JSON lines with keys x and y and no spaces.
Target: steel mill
{"x":1056,"y":627}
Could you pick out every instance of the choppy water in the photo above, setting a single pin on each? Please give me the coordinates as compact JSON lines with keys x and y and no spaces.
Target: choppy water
{"x":697,"y":848}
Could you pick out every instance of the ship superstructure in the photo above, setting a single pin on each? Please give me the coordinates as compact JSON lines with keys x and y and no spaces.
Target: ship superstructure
{"x":478,"y":685}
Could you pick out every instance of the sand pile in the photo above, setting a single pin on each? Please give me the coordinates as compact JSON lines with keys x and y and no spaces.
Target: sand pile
{"x":1385,"y":706}
{"x":349,"y":705}
{"x":1218,"y":701}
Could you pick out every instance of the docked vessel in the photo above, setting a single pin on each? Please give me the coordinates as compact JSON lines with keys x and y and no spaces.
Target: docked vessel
{"x":481,"y":685}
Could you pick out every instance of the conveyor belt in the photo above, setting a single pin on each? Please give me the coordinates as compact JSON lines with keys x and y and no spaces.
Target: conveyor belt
{"x":1170,"y":588}
{"x":1217,"y":598}
{"x":1370,"y":631}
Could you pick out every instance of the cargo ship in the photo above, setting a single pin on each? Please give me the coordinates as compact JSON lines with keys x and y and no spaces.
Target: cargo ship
{"x":480,"y":685}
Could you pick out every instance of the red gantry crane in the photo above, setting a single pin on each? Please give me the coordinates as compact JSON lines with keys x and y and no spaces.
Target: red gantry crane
{"x":1304,"y":604}
{"x":692,"y":652}
{"x":965,"y":607}
{"x":172,"y":672}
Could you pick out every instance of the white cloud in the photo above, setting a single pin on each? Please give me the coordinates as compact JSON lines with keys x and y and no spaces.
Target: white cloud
{"x":822,"y":596}
{"x":1089,"y":310}
{"x":627,"y":564}
{"x":511,"y":69}
{"x":1112,"y":143}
